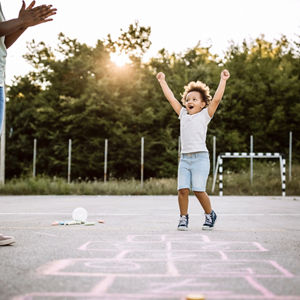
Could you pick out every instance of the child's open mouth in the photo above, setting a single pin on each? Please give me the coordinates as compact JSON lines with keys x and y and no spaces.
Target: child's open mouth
{"x":190,"y":106}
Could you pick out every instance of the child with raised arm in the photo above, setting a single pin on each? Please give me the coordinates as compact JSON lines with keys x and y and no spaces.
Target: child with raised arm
{"x":194,"y":162}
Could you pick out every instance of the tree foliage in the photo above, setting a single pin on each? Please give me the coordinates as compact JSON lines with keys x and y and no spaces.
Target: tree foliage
{"x":76,"y":92}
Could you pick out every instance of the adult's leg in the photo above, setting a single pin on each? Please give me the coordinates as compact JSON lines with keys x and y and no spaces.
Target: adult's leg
{"x":2,"y":103}
{"x":4,"y":240}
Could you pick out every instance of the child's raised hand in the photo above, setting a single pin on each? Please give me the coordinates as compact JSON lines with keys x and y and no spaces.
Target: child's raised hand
{"x":160,"y":76}
{"x":225,"y":74}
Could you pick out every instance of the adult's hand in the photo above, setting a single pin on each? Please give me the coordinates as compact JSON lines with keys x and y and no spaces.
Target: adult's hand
{"x":32,"y":16}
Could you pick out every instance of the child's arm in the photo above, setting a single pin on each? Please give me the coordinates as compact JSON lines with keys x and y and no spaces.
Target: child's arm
{"x":168,"y":93}
{"x":212,"y":107}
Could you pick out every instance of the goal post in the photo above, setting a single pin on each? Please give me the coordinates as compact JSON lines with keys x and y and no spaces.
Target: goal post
{"x":219,"y":167}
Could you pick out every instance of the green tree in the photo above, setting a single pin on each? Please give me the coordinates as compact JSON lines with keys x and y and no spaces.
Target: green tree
{"x":76,"y":92}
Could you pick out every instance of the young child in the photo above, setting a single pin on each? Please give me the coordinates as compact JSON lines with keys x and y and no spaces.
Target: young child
{"x":194,"y":163}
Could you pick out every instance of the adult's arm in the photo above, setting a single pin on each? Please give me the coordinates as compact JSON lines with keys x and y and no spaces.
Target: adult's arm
{"x":28,"y":17}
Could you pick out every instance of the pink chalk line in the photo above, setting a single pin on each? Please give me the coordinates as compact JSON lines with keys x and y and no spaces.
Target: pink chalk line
{"x":260,"y":247}
{"x":206,"y":247}
{"x":167,"y":296}
{"x":103,"y":285}
{"x":223,"y":255}
{"x":281,"y":269}
{"x":265,"y":292}
{"x":171,"y":267}
{"x":56,"y":267}
{"x":159,"y":287}
{"x":122,"y":254}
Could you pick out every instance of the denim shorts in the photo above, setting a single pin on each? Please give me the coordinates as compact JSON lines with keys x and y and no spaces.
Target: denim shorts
{"x":2,"y":104}
{"x":193,"y":171}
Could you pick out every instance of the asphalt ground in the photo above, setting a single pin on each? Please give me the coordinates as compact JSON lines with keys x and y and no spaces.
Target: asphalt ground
{"x":137,"y":253}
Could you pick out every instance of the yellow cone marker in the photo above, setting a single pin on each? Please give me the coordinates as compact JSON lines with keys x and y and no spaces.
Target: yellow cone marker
{"x":195,"y":297}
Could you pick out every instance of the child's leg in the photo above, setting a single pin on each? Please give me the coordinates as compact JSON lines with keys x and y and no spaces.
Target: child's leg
{"x":200,"y":171}
{"x":210,"y":215}
{"x":204,"y":201}
{"x":184,"y":184}
{"x":183,"y":201}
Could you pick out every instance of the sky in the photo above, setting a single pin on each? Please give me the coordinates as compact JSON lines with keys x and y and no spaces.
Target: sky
{"x":176,"y":24}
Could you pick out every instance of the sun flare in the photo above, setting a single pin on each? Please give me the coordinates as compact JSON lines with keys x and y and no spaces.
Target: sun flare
{"x":119,"y":59}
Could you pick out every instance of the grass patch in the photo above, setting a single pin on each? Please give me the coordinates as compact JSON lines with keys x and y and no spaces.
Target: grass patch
{"x":59,"y":186}
{"x":266,"y":181}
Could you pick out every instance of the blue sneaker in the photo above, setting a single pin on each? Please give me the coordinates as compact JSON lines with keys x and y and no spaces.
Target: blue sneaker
{"x":183,"y":222}
{"x":210,"y":220}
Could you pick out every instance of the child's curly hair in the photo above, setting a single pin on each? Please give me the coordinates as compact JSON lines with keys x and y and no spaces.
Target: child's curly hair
{"x":200,"y":87}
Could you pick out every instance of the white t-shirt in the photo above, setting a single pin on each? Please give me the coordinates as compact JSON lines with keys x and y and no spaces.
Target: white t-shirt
{"x":3,"y":52}
{"x":193,"y":130}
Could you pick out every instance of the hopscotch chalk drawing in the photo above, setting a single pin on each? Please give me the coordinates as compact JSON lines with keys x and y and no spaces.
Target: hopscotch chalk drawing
{"x":168,"y":267}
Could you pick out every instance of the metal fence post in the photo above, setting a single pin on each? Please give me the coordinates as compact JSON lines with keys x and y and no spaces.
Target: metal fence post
{"x":105,"y":160}
{"x":69,"y":161}
{"x":214,"y":154}
{"x":251,"y":159}
{"x":283,"y":178}
{"x":290,"y":155}
{"x":34,"y":158}
{"x":142,"y":161}
{"x":220,"y":177}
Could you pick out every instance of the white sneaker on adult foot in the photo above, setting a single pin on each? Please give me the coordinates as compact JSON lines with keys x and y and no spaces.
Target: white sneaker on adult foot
{"x":6,"y":240}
